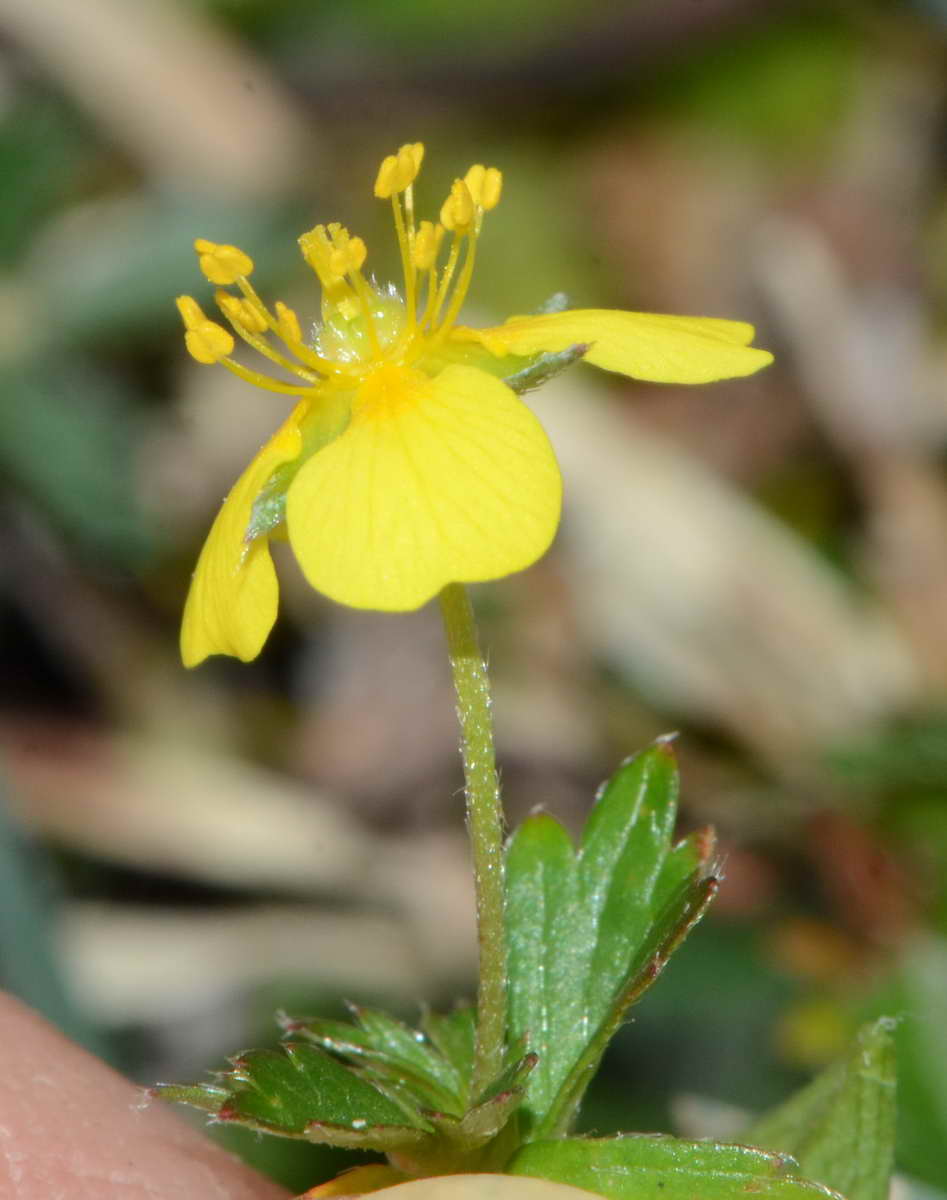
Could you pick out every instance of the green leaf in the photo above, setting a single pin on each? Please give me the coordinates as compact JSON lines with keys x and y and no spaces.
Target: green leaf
{"x":454,"y":1035}
{"x":375,"y":1084}
{"x":427,"y":1069}
{"x":656,"y":1167}
{"x":208,"y":1097}
{"x":410,"y":1047}
{"x":395,"y":1056}
{"x":298,"y":1091}
{"x":589,"y":932}
{"x":841,"y":1126}
{"x":917,"y":988}
{"x":671,"y":926}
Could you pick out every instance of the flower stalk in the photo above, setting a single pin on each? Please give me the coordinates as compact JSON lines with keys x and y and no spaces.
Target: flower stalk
{"x":484,"y":825}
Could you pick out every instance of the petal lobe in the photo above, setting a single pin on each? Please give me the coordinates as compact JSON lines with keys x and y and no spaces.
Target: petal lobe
{"x":647,"y":346}
{"x":234,"y":594}
{"x":435,"y":481}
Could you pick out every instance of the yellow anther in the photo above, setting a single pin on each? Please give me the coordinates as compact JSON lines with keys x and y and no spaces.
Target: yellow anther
{"x":316,"y":248}
{"x":191,"y":312}
{"x":287,"y":324}
{"x":357,"y":254}
{"x":386,"y":181}
{"x":457,"y":211}
{"x":332,"y":252}
{"x":399,"y":171}
{"x":239,"y":312}
{"x":349,"y":255}
{"x":426,"y":244}
{"x":485,"y":185}
{"x":208,"y":342}
{"x":317,"y":251}
{"x":222,"y":264}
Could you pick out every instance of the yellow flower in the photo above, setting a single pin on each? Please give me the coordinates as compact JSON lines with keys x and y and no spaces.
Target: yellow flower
{"x":409,"y":461}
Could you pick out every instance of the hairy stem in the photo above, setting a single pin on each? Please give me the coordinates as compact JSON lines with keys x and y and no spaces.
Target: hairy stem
{"x":484,"y":826}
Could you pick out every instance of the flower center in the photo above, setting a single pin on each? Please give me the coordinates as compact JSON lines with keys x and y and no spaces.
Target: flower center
{"x":364,"y":327}
{"x":342,"y":339}
{"x":386,"y":393}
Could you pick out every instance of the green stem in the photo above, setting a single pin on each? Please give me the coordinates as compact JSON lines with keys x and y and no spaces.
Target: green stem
{"x":484,"y":825}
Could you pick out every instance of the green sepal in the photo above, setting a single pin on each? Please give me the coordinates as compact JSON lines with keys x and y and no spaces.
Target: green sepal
{"x":326,"y":420}
{"x":489,"y":1115}
{"x":297,"y":1091}
{"x":841,"y":1126}
{"x":556,"y":303}
{"x":588,"y":932}
{"x":520,"y":372}
{"x":544,"y":367}
{"x":659,"y":1167}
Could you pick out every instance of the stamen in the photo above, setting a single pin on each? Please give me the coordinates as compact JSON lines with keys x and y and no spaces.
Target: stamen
{"x":222,"y":264}
{"x":485,"y":185}
{"x":348,"y":254}
{"x":386,"y":181}
{"x":405,"y":241}
{"x":396,"y":176}
{"x":424,"y":251}
{"x":255,"y":303}
{"x":426,"y":245}
{"x":265,"y":382}
{"x":444,"y":286}
{"x":287,"y":324}
{"x":322,"y":365}
{"x":458,"y":210}
{"x":206,"y":341}
{"x":357,"y":316}
{"x":462,"y":212}
{"x":399,"y":171}
{"x":415,"y":151}
{"x":346,"y":258}
{"x":318,"y":246}
{"x":460,"y":291}
{"x":409,"y":209}
{"x":241,"y":312}
{"x":237,"y":311}
{"x":191,"y":312}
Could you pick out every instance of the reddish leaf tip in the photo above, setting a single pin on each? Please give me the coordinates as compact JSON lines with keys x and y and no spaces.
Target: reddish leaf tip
{"x":665,"y":743}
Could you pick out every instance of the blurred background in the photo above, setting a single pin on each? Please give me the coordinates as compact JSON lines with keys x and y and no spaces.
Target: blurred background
{"x":760,"y":565}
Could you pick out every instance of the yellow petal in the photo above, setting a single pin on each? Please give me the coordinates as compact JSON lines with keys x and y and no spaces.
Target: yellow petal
{"x":234,"y":594}
{"x":356,"y":1182}
{"x":651,"y":346}
{"x":441,"y":480}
